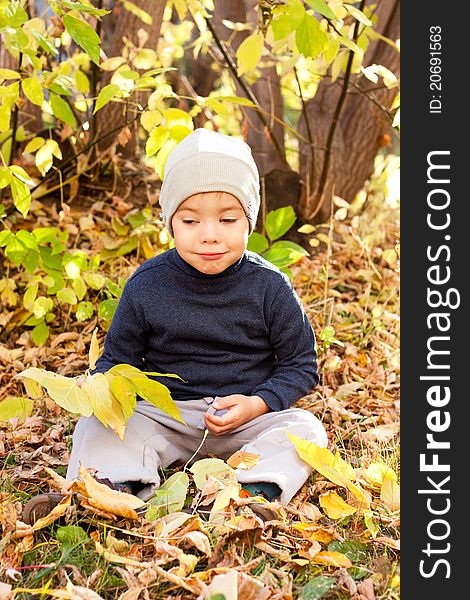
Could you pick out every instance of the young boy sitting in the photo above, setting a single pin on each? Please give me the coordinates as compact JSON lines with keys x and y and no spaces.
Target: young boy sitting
{"x":226,"y":321}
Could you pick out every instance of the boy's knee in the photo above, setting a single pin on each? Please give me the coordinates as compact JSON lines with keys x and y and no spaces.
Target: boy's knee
{"x":306,"y":425}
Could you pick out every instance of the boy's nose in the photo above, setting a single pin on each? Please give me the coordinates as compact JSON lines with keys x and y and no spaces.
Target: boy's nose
{"x":210,"y":233}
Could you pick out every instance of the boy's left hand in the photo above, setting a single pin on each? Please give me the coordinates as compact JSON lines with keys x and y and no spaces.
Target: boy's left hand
{"x":241,"y":409}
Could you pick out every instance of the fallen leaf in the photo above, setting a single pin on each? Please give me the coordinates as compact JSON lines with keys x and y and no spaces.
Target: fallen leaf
{"x":370,"y":523}
{"x":211,"y":466}
{"x":331,"y":558}
{"x":55,"y":514}
{"x":334,"y":506}
{"x":199,"y":540}
{"x":94,"y":351}
{"x":375,"y":473}
{"x":331,"y":466}
{"x":387,"y":541}
{"x":102,"y":497}
{"x":5,"y":591}
{"x":225,"y":585}
{"x":312,"y":550}
{"x":243,"y":460}
{"x":382,"y":434}
{"x":131,"y":594}
{"x":390,"y":493}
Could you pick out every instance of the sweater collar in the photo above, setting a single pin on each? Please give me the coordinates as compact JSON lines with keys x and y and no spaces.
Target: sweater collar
{"x":190,"y":270}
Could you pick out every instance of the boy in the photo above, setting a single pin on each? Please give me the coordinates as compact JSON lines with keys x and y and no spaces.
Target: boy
{"x":226,"y":321}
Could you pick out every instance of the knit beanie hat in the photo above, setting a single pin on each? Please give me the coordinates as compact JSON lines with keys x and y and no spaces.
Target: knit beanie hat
{"x":207,"y":161}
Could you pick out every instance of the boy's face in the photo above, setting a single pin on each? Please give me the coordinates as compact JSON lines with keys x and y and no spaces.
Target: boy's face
{"x":210,"y":231}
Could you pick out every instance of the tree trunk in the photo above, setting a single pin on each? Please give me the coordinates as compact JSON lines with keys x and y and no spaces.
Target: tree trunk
{"x":362,"y":127}
{"x":127,"y":25}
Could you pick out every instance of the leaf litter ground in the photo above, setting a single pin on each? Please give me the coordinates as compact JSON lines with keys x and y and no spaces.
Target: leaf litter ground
{"x":338,"y":538}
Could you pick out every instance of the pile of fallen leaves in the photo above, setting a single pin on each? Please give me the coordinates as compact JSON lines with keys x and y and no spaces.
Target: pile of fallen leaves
{"x":338,"y":538}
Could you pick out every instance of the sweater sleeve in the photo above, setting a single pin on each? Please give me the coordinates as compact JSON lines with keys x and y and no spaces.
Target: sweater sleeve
{"x":291,"y":335}
{"x":125,"y":339}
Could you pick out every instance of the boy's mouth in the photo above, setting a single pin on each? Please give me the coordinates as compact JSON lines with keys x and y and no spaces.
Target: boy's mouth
{"x":211,"y":255}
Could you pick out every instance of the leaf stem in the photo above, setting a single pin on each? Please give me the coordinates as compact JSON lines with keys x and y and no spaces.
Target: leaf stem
{"x":206,"y":433}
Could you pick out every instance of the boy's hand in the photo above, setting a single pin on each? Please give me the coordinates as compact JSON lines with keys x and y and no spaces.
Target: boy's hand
{"x":241,"y":409}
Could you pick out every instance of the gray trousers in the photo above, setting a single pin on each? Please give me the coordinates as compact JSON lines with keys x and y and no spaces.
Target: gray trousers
{"x":154,"y":440}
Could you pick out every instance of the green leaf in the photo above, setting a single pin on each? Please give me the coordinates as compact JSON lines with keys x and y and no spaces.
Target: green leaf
{"x":5,"y":177}
{"x":71,"y":535}
{"x":40,"y":334}
{"x":30,"y":296}
{"x":156,"y":139}
{"x":215,"y":467}
{"x":15,"y":14}
{"x":357,"y":14}
{"x":79,"y":287}
{"x":249,"y":53}
{"x":317,"y":587}
{"x":9,"y":74}
{"x":45,"y":44}
{"x":67,"y":295}
{"x":21,"y":195}
{"x":5,"y":237}
{"x":320,"y":6}
{"x":83,"y":35}
{"x":279,"y":221}
{"x":169,"y":497}
{"x":31,"y":260}
{"x":107,"y":308}
{"x":42,"y":306}
{"x":84,"y":311}
{"x":4,"y":118}
{"x":15,"y":251}
{"x":257,"y":243}
{"x":16,"y":408}
{"x":157,"y":394}
{"x":105,"y":95}
{"x":288,"y":19}
{"x":62,"y":110}
{"x":281,"y":257}
{"x":310,"y":37}
{"x":86,"y":8}
{"x":32,"y":89}
{"x":355,"y":551}
{"x":95,"y":280}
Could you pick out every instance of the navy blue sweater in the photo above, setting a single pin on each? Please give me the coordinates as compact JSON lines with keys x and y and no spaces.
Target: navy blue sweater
{"x":242,"y":331}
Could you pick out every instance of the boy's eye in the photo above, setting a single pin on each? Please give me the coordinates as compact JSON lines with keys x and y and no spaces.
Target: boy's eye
{"x":188,"y":221}
{"x":229,"y":220}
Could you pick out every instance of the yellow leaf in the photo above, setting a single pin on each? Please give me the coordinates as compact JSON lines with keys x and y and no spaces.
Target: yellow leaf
{"x":94,"y":351}
{"x":222,"y":500}
{"x":376,"y":472}
{"x":105,"y":407}
{"x":124,"y":393}
{"x":370,"y":523}
{"x":15,"y":408}
{"x":243,"y":460}
{"x":103,"y":497}
{"x":333,"y":467}
{"x":55,"y":514}
{"x":44,"y":159}
{"x":33,"y":389}
{"x":334,"y":506}
{"x":249,"y":53}
{"x":390,"y":493}
{"x":145,"y":59}
{"x":34,"y":144}
{"x":63,"y":390}
{"x":215,"y":467}
{"x":334,"y":559}
{"x":110,"y":64}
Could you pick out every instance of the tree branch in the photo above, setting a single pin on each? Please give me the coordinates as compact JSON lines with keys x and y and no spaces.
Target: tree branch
{"x":339,"y":106}
{"x":247,"y":90}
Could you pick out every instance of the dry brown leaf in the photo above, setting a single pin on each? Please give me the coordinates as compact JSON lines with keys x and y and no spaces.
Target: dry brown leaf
{"x":55,"y":514}
{"x":104,"y":498}
{"x":313,"y":549}
{"x":58,"y":483}
{"x":365,"y":590}
{"x":243,"y":460}
{"x":382,"y":434}
{"x":278,"y":553}
{"x":5,"y":591}
{"x":386,"y":541}
{"x":131,"y":594}
{"x":199,"y":540}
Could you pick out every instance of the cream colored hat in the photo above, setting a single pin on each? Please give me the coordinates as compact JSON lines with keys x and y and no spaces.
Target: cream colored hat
{"x":206,"y":161}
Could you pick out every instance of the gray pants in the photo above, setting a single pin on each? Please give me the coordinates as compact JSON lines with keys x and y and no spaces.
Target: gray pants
{"x":154,"y":440}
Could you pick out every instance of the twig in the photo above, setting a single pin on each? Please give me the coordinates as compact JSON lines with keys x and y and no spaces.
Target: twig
{"x":247,"y":90}
{"x":339,"y":106}
{"x":309,"y":131}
